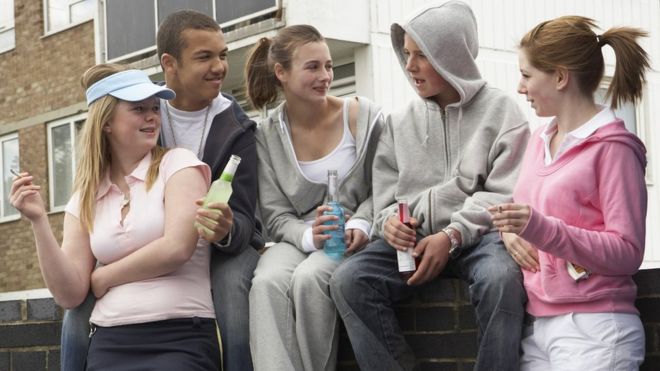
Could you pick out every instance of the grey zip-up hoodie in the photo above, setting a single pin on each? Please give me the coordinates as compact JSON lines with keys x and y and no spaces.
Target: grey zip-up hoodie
{"x":287,"y":198}
{"x":450,"y":164}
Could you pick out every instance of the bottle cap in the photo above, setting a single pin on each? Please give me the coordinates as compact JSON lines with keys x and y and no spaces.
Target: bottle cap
{"x":232,"y":165}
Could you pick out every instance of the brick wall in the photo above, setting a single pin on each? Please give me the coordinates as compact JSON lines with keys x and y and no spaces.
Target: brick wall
{"x":438,"y":323}
{"x":439,"y":314}
{"x":38,"y":77}
{"x":30,"y":335}
{"x":42,"y":73}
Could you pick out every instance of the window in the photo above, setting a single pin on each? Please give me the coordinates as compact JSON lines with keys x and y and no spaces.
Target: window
{"x":9,"y":160}
{"x":128,"y":27}
{"x":229,"y":12}
{"x":62,"y":159}
{"x":343,"y":82}
{"x":60,"y":14}
{"x":7,"y":34}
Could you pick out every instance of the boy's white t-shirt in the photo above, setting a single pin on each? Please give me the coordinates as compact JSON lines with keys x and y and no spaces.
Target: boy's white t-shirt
{"x":190,"y":134}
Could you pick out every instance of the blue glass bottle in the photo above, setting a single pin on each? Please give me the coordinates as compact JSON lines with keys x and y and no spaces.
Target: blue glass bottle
{"x":335,"y":246}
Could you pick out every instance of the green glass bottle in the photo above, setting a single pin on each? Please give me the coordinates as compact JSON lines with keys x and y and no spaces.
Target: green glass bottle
{"x":221,"y":189}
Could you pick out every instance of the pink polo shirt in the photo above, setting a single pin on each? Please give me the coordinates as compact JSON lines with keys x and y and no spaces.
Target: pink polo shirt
{"x":183,"y":293}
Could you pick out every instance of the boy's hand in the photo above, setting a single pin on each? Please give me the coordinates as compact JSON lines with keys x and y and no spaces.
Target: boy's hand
{"x":398,"y":235}
{"x":214,"y":223}
{"x":434,"y":250}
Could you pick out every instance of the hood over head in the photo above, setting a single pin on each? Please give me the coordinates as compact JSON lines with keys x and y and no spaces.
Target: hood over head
{"x":447,"y":35}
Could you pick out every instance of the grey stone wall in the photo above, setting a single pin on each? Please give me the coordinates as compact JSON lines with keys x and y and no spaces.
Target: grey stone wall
{"x":438,"y":323}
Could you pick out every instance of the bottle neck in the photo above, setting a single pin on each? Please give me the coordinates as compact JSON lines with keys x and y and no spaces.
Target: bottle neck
{"x":404,"y":212}
{"x":227,"y":177}
{"x":230,"y":169}
{"x":333,"y":195}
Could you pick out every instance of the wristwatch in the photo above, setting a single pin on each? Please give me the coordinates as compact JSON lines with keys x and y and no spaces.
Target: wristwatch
{"x":455,"y":248}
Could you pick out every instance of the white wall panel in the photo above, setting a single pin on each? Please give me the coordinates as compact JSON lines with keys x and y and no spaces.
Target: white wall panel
{"x":651,"y":137}
{"x":336,"y":19}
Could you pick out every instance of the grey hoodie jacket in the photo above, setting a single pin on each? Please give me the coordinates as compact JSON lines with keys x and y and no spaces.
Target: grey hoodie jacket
{"x":287,"y":198}
{"x":450,"y":164}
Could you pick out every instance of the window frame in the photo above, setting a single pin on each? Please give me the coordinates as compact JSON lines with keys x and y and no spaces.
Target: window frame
{"x":274,"y":8}
{"x":71,"y":121}
{"x":102,"y":28}
{"x":48,"y":30}
{"x":9,"y":28}
{"x":3,"y":139}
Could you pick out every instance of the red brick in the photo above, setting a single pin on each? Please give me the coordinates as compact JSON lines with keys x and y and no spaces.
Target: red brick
{"x":39,"y":76}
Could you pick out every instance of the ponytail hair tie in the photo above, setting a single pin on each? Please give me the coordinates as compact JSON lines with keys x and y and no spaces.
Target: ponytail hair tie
{"x":600,"y":40}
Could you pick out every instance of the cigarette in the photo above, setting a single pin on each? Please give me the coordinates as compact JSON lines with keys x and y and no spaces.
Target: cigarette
{"x":16,"y":173}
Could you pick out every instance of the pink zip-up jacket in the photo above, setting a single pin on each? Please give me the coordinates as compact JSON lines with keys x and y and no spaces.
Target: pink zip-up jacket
{"x":588,"y":207}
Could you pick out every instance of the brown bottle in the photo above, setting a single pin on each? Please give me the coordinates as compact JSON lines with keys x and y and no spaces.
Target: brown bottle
{"x":407,"y":263}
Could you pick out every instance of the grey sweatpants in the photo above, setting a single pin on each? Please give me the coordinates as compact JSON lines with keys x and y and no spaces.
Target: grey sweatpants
{"x":293,"y":320}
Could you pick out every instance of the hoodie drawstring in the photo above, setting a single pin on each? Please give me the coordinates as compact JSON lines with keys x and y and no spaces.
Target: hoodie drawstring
{"x":428,"y":125}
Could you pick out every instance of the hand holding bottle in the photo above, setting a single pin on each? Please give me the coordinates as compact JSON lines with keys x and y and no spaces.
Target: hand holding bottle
{"x":399,"y":235}
{"x":214,"y":221}
{"x":320,"y":227}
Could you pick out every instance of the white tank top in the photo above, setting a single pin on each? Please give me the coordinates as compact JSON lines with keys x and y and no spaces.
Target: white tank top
{"x":341,"y":158}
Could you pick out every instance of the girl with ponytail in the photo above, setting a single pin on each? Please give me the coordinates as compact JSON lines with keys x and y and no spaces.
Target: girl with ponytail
{"x":293,"y":320}
{"x":577,"y":222}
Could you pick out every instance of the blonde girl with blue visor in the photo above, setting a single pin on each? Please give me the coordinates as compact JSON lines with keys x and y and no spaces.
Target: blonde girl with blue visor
{"x":128,"y":233}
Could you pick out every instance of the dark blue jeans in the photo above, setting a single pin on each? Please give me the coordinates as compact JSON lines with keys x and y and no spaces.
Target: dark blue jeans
{"x":367,"y":286}
{"x":231,"y":278}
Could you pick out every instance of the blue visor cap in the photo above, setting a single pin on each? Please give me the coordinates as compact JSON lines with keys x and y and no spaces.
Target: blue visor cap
{"x":130,"y":85}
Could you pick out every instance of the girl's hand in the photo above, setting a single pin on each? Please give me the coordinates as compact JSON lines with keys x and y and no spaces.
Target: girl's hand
{"x":355,"y":241}
{"x":318,"y":227}
{"x":521,"y":251}
{"x":510,"y":217}
{"x":25,"y":197}
{"x":98,"y":283}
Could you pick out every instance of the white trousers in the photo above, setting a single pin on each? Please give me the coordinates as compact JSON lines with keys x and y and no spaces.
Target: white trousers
{"x":293,"y":320}
{"x":584,"y":342}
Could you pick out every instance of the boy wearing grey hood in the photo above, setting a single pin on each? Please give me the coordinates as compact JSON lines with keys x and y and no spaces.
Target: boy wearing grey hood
{"x":451,"y":154}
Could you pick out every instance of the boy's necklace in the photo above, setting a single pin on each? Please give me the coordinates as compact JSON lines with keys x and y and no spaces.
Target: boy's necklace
{"x":201,"y":138}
